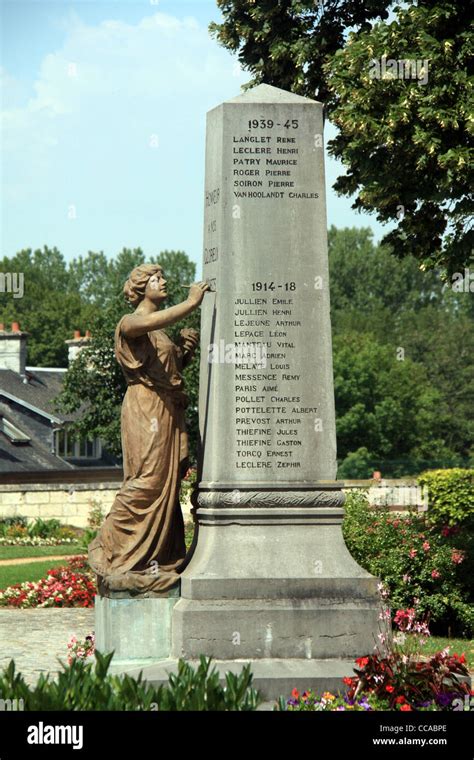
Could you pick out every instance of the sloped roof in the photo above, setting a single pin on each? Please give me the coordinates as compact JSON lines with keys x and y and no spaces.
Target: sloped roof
{"x":35,"y":455}
{"x":38,"y":392}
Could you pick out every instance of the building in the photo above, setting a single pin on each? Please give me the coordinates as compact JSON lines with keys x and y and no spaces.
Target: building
{"x":33,"y":434}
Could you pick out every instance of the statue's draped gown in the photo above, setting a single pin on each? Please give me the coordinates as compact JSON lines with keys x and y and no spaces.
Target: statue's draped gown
{"x":141,"y":543}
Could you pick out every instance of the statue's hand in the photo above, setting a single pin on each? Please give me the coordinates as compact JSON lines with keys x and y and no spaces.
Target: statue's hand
{"x":196,"y":292}
{"x":189,"y":338}
{"x":189,"y":332}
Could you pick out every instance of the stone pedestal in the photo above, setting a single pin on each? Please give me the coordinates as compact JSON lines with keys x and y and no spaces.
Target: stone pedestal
{"x":274,"y":584}
{"x":137,"y":629}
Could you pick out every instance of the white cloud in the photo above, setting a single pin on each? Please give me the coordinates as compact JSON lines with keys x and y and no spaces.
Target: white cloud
{"x":112,"y":84}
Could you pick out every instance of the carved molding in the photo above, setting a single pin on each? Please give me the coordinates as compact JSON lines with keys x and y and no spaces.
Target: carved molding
{"x":286,"y":499}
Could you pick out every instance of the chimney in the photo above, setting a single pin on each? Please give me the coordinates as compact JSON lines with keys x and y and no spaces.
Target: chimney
{"x":77,"y":344}
{"x":13,"y":348}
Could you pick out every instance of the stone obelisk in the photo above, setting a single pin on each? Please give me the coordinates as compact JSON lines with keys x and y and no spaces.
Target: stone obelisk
{"x":271,"y":580}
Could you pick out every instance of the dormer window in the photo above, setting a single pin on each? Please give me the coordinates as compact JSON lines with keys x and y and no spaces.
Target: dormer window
{"x":84,"y":448}
{"x":12,"y":432}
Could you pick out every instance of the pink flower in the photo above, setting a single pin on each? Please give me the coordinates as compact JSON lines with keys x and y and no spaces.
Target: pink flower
{"x":406,"y":578}
{"x":412,"y":553}
{"x":435,"y":574}
{"x":404,"y":619}
{"x":457,"y":556}
{"x":426,"y":546}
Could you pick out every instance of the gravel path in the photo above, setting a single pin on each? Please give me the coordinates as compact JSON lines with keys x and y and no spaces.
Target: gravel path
{"x":35,"y":638}
{"x":28,"y":560}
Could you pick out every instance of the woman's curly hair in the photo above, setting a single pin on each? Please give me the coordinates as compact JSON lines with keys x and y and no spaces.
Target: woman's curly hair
{"x":134,"y":288}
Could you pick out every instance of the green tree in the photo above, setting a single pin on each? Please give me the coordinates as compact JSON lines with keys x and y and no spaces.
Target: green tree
{"x":387,"y":410}
{"x":406,"y":146}
{"x":407,"y":142}
{"x":286,"y":42}
{"x":443,"y":342}
{"x":370,"y":289}
{"x":50,"y":309}
{"x":419,"y":318}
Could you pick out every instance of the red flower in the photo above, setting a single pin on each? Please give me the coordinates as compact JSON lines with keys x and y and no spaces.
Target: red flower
{"x":295,"y":693}
{"x":406,"y":708}
{"x":389,"y":689}
{"x":362,"y":661}
{"x":399,"y":700}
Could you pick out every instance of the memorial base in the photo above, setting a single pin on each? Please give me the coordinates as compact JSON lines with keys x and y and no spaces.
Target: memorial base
{"x":137,"y":629}
{"x":271,"y":677}
{"x":272,"y":583}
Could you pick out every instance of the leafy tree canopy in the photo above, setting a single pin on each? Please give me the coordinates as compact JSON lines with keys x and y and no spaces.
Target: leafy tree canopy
{"x":286,"y":42}
{"x":406,"y":135}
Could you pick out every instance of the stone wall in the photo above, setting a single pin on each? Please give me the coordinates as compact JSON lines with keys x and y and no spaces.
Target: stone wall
{"x":398,"y":495}
{"x":69,"y":503}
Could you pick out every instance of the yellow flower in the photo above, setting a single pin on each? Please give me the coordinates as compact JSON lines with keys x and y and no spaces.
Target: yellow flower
{"x":327,"y":695}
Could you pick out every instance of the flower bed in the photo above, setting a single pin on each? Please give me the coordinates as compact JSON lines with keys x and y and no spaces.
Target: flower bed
{"x":416,"y":560}
{"x":81,"y":650}
{"x":397,"y":676}
{"x":36,"y":541}
{"x":70,"y":585}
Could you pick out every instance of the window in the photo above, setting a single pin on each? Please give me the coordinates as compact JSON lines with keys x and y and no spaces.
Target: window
{"x":84,"y":448}
{"x":14,"y":434}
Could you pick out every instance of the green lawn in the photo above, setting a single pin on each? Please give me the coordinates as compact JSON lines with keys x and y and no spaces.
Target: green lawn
{"x":16,"y":552}
{"x":10,"y":574}
{"x":458,"y":646}
{"x":188,"y":533}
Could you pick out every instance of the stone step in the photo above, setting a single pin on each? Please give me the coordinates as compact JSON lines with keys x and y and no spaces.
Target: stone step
{"x":272,"y":677}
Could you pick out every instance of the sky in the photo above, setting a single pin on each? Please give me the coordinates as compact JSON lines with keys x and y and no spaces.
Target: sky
{"x":103,"y":109}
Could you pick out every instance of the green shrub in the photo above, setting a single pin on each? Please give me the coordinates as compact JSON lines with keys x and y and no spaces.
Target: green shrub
{"x":94,"y":521}
{"x":9,"y":522}
{"x":415,"y":560}
{"x":358,"y":465}
{"x":88,"y":686}
{"x":65,"y":532}
{"x":96,"y":514}
{"x":87,"y":538}
{"x":44,"y":528}
{"x":450,"y":495}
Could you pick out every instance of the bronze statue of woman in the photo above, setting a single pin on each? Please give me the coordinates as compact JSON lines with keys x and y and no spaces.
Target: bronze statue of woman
{"x":140,"y":547}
